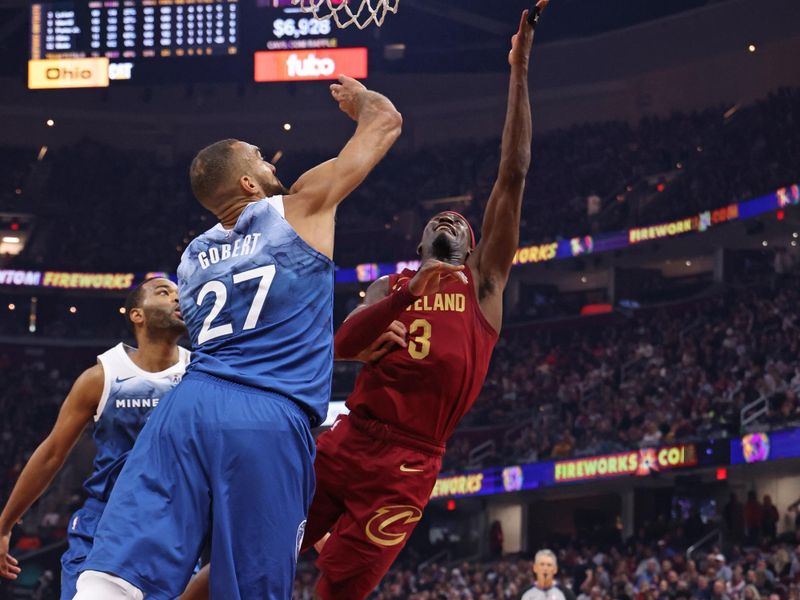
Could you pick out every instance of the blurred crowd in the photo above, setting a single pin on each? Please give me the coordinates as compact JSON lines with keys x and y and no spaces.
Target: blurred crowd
{"x":636,"y":570}
{"x":678,"y":373}
{"x":135,"y":211}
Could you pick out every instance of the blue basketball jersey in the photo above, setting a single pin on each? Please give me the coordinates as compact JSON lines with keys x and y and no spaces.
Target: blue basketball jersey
{"x":129,"y":396}
{"x":258,"y":303}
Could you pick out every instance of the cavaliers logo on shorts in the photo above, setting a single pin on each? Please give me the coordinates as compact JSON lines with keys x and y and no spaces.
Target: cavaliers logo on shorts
{"x":391,"y":517}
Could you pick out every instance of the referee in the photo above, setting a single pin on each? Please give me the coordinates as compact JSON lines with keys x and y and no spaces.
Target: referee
{"x":545,"y":567}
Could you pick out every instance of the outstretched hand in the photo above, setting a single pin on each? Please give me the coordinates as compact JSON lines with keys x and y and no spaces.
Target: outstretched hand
{"x":348,"y":93}
{"x":432,"y":275}
{"x":9,"y":566}
{"x":522,"y":41}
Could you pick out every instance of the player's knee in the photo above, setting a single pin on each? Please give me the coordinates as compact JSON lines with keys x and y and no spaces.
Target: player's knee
{"x":94,"y":585}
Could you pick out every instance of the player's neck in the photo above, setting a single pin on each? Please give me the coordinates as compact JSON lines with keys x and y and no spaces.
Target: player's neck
{"x":229,"y":214}
{"x":450,"y":258}
{"x":155,"y":354}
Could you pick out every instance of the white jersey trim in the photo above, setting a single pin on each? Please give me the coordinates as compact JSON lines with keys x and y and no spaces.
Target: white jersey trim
{"x":276,"y":202}
{"x":118,"y":357}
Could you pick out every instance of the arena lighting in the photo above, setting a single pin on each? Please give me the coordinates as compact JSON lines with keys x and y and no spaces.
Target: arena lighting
{"x":50,"y":122}
{"x":9,"y":239}
{"x":15,"y":227}
{"x":688,"y":263}
{"x":752,"y":47}
{"x":780,"y":215}
{"x":42,"y":153}
{"x":722,"y":473}
{"x":12,"y":306}
{"x":451,"y":505}
{"x":362,"y":294}
{"x":73,"y":310}
{"x":764,"y":243}
{"x":794,"y":243}
{"x":18,"y":191}
{"x":287,"y":126}
{"x":122,"y":310}
{"x":583,"y":279}
{"x":660,"y":187}
{"x":794,"y":235}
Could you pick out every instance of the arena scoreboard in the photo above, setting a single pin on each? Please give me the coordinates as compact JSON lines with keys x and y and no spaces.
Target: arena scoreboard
{"x":97,"y":43}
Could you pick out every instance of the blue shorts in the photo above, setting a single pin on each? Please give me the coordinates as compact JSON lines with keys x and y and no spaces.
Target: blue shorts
{"x":215,"y":459}
{"x":80,"y":535}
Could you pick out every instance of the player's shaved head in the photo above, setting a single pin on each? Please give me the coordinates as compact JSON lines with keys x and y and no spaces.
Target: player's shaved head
{"x":229,"y":171}
{"x":215,"y":169}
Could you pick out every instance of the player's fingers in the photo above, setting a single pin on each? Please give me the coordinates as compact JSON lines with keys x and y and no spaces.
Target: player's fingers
{"x":392,"y":338}
{"x":398,"y":328}
{"x":11,"y":559}
{"x":523,"y":21}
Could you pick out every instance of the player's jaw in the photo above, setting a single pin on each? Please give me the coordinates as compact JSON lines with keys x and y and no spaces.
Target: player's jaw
{"x":446,"y":237}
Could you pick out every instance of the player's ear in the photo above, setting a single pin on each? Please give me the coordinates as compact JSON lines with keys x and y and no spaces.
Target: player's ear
{"x":136,"y":315}
{"x":249,"y":186}
{"x":419,"y":249}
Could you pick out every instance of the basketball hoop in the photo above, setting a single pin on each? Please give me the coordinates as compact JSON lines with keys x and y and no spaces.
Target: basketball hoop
{"x":344,"y":12}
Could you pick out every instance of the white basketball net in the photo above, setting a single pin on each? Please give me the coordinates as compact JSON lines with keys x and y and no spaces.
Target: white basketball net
{"x":344,"y":12}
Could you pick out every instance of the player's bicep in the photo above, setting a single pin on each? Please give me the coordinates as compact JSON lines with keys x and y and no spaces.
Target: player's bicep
{"x":500,"y":231}
{"x":77,"y":411}
{"x":325,"y":186}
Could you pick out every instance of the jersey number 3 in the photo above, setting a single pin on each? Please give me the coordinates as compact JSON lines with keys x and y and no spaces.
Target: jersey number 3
{"x":419,"y":333}
{"x":266,"y":274}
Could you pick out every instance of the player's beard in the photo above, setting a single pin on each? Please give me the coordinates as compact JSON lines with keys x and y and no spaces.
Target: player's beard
{"x":274,"y":187}
{"x":160,"y":320}
{"x":442,"y":247}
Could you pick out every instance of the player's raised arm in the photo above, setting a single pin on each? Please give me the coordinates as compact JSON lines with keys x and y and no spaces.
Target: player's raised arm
{"x":500,"y":230}
{"x":313,"y":199}
{"x":76,"y":412}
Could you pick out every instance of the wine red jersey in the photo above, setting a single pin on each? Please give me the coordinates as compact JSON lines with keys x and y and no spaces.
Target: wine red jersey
{"x":426,"y":388}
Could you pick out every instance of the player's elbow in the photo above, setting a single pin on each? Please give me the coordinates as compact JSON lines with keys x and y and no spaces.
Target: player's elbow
{"x":390,"y":123}
{"x":514,"y":170}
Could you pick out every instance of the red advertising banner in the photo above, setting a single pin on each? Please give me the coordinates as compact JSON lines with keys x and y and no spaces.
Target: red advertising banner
{"x":309,"y":65}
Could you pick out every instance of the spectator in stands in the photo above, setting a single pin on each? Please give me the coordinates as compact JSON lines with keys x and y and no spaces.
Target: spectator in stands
{"x":752,"y":517}
{"x":734,"y":518}
{"x":769,"y":518}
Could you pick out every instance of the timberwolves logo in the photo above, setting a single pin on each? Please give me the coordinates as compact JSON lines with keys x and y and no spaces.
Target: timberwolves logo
{"x":298,"y":542}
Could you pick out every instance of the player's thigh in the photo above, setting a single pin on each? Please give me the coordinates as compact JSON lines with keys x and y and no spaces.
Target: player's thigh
{"x":262,"y":481}
{"x":156,"y":520}
{"x":328,"y":503}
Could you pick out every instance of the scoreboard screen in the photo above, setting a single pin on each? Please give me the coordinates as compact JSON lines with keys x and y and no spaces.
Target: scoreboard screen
{"x":97,"y":43}
{"x":134,"y":28}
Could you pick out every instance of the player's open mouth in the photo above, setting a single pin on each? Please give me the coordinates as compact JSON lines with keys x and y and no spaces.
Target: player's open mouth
{"x":178,"y":314}
{"x":446,"y":226}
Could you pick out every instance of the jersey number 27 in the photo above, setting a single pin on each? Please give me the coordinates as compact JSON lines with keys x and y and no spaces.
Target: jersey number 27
{"x":216,"y":287}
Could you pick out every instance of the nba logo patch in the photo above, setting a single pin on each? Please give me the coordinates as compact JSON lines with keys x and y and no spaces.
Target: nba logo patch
{"x":301,"y":530}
